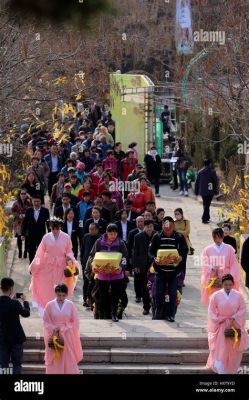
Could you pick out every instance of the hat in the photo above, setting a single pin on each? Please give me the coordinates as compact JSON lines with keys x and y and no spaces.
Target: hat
{"x":67,"y":185}
{"x":80,"y":166}
{"x":71,"y":169}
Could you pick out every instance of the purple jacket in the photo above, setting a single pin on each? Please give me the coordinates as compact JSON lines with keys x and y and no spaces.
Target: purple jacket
{"x":117,"y":246}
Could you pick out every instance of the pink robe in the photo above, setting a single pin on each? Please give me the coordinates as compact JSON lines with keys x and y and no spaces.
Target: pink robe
{"x":67,"y":321}
{"x":224,"y":358}
{"x":47,"y":269}
{"x":225,"y":260}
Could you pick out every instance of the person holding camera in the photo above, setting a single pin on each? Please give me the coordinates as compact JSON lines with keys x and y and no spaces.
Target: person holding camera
{"x":12,"y":335}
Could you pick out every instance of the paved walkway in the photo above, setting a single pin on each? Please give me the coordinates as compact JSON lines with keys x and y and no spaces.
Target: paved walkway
{"x":191,"y":312}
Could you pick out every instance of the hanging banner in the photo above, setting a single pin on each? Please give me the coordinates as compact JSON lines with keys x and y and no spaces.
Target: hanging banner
{"x":184,"y":35}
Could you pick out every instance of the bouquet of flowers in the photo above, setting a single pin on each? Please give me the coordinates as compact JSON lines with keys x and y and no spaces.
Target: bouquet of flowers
{"x":56,"y":342}
{"x":231,"y":332}
{"x":215,"y":281}
{"x":70,"y":270}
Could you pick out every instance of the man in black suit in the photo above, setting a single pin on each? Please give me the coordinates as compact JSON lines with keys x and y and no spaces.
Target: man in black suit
{"x":124,"y":226}
{"x":71,"y":227}
{"x":73,"y":199}
{"x":131,"y":236}
{"x":87,"y":244}
{"x":34,"y":224}
{"x":59,"y":212}
{"x":96,"y":213}
{"x":142,"y":262}
{"x":104,"y":213}
{"x":12,"y":335}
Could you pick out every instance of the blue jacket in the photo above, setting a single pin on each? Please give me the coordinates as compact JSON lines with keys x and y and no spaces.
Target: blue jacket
{"x":48,"y":158}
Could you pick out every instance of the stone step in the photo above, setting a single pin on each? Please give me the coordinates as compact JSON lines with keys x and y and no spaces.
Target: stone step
{"x":162,"y":369}
{"x":135,"y":355}
{"x":134,"y":341}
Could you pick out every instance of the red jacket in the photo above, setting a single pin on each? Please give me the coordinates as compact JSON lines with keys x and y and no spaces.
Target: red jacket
{"x":138,"y":202}
{"x":127,"y":166}
{"x":148,"y":194}
{"x":92,"y":194}
{"x":111,"y":163}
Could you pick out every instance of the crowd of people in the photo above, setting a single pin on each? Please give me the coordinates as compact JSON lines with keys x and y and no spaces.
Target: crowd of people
{"x":83,"y":195}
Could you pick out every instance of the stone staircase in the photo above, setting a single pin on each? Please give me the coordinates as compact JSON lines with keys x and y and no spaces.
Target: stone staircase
{"x":132,"y":347}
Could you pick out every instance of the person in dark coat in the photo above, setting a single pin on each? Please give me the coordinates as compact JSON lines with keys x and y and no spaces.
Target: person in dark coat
{"x":228,"y":239}
{"x":206,"y":186}
{"x":166,"y":273}
{"x":87,"y":244}
{"x":73,"y":199}
{"x":96,"y":218}
{"x":245,"y":260}
{"x":124,"y":226}
{"x":12,"y":335}
{"x":153,"y":165}
{"x":59,"y":212}
{"x":104,"y":213}
{"x":71,"y":227}
{"x":142,"y":262}
{"x":166,"y":119}
{"x":139,"y":228}
{"x":55,"y":164}
{"x":34,"y":225}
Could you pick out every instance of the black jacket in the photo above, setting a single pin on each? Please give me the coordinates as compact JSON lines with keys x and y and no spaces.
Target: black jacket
{"x":59,"y":212}
{"x":102,"y":225}
{"x":35,"y":230}
{"x":11,"y":331}
{"x":141,"y":258}
{"x":207,"y":182}
{"x":153,"y":167}
{"x":232,"y":241}
{"x":245,"y":256}
{"x":105,"y":214}
{"x":129,"y":229}
{"x":177,"y":241}
{"x":86,"y":247}
{"x":130,"y":243}
{"x":73,"y":201}
{"x":75,"y":235}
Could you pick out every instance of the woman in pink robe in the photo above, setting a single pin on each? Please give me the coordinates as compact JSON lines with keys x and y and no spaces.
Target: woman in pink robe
{"x":48,"y":266}
{"x":226,"y":309}
{"x":60,"y":317}
{"x":217,"y":259}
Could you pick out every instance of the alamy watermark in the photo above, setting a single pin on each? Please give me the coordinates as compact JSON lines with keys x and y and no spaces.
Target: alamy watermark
{"x":6,"y":149}
{"x":243,"y":148}
{"x":6,"y":371}
{"x":244,"y":370}
{"x":23,"y":386}
{"x":124,"y":186}
{"x":210,"y":36}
